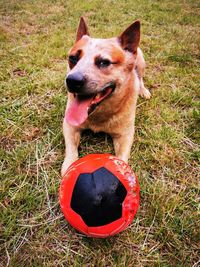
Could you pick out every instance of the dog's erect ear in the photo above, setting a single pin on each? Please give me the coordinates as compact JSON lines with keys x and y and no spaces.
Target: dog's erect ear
{"x":82,"y":29}
{"x":130,"y":38}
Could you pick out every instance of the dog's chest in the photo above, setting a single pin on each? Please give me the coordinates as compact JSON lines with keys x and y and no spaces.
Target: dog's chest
{"x":110,"y":125}
{"x":97,"y":126}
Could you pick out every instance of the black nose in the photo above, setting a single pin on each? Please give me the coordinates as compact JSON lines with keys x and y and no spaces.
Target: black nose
{"x":75,"y":82}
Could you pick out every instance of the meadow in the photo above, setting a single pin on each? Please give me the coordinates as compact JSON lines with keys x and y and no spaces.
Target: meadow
{"x":35,"y":37}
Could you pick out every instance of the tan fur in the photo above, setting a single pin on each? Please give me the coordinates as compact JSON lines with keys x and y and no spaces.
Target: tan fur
{"x":116,"y":114}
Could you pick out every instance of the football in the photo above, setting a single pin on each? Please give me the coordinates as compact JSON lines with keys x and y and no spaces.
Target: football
{"x":99,"y":195}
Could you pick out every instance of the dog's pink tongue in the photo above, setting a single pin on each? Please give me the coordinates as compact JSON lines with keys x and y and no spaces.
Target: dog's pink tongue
{"x":77,"y":112}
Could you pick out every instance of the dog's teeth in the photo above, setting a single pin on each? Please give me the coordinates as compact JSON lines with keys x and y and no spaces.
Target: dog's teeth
{"x":98,"y":96}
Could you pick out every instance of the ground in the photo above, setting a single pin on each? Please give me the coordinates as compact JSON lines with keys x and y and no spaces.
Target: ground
{"x":35,"y":37}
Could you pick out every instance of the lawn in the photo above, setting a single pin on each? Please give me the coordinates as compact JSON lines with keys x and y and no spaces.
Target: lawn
{"x":35,"y":37}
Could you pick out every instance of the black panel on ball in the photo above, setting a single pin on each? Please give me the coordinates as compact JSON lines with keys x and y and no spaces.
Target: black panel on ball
{"x":97,"y":197}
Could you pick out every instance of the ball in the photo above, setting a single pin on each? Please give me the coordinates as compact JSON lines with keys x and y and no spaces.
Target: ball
{"x":99,"y":195}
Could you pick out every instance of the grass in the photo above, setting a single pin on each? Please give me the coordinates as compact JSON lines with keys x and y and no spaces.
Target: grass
{"x":35,"y":37}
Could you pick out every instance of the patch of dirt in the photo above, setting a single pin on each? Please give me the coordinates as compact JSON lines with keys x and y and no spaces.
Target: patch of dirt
{"x":19,"y":72}
{"x":28,"y":28}
{"x":31,"y":134}
{"x":7,"y":142}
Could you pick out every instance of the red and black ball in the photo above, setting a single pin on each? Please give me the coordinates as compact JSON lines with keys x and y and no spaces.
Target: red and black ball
{"x":99,"y":195}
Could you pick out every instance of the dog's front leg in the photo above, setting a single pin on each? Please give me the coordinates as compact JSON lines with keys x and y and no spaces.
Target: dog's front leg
{"x":72,"y":139}
{"x":122,"y":145}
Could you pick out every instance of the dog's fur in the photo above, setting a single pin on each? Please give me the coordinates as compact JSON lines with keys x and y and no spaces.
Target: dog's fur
{"x":115,"y":115}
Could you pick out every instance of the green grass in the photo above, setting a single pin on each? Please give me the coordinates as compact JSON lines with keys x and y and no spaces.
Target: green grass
{"x":35,"y":37}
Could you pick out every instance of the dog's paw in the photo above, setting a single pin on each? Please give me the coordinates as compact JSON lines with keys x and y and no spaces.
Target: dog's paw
{"x":67,"y":162}
{"x":144,"y":93}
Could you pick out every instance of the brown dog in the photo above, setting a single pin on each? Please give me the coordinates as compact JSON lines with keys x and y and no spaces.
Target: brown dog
{"x":104,"y":80}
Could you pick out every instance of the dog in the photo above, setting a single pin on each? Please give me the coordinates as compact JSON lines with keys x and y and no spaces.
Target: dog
{"x":104,"y":79}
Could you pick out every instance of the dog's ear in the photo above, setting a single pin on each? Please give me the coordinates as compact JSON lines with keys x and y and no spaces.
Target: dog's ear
{"x":82,"y":29}
{"x":130,"y":38}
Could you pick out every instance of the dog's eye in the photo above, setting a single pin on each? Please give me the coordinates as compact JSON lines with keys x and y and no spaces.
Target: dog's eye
{"x":73,"y":60}
{"x":103,"y":63}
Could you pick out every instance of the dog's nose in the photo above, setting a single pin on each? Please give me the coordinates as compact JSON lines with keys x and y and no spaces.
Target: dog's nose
{"x":75,"y":82}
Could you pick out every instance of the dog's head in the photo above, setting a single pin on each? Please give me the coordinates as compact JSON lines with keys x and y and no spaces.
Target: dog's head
{"x":99,"y":67}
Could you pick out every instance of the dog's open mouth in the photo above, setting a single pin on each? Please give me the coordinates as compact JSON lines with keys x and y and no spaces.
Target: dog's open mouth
{"x":83,"y":105}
